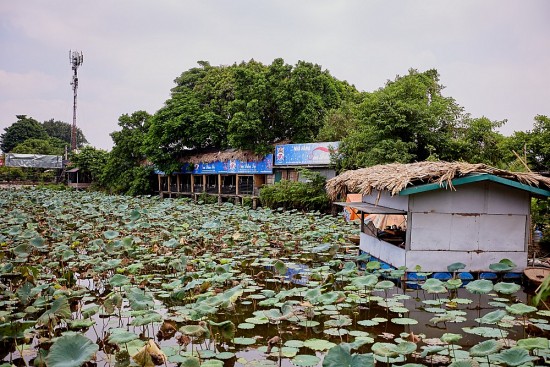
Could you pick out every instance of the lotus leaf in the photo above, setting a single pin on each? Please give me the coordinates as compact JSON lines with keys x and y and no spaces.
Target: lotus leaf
{"x":514,"y":357}
{"x":244,"y":341}
{"x":59,"y":310}
{"x":520,"y":309}
{"x":480,"y":286}
{"x":139,"y":299}
{"x":533,"y":343}
{"x":385,"y":349}
{"x":450,"y":338}
{"x":492,"y":317}
{"x":366,"y":281}
{"x":193,"y":330}
{"x":507,"y":288}
{"x":486,"y":332}
{"x":146,"y":318}
{"x":455,"y":267}
{"x":318,"y":344}
{"x":71,"y":351}
{"x":119,"y":280}
{"x":485,"y":348}
{"x":384,"y":285}
{"x":404,"y":321}
{"x":340,"y":355}
{"x":305,"y":360}
{"x":465,"y":363}
{"x":110,"y":234}
{"x":121,"y":337}
{"x":502,"y":266}
{"x":225,"y":355}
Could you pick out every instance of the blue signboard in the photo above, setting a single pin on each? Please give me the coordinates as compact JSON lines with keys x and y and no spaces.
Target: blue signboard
{"x":233,"y":166}
{"x":304,"y":154}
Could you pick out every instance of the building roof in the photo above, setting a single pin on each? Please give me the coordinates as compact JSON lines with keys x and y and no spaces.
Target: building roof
{"x":196,"y":157}
{"x":411,"y":178}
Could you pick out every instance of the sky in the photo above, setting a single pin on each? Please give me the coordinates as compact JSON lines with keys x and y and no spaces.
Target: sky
{"x":493,"y":56}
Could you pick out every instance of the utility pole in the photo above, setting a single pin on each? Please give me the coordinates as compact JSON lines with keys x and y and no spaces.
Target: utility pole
{"x":76,"y":59}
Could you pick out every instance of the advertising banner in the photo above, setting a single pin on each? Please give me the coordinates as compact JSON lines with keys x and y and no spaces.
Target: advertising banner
{"x":304,"y":154}
{"x":33,"y":160}
{"x":233,"y":166}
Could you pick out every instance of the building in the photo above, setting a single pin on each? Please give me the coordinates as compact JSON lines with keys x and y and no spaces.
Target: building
{"x":230,"y":174}
{"x":451,"y":212}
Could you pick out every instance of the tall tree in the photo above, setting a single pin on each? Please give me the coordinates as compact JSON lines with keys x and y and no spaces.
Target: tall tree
{"x":407,"y":120}
{"x":49,"y":146}
{"x":62,"y":130}
{"x":533,"y":145}
{"x":126,"y":170}
{"x":90,"y":161}
{"x":24,"y":128}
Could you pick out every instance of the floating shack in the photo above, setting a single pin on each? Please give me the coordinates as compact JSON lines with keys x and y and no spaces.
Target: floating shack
{"x":289,"y":158}
{"x":227,"y":174}
{"x":453,"y":212}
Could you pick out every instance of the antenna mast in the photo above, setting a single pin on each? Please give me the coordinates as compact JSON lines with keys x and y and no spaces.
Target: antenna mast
{"x":76,"y":59}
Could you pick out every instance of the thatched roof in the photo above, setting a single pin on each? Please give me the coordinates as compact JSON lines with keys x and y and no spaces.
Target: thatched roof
{"x":222,"y":156}
{"x":397,"y":176}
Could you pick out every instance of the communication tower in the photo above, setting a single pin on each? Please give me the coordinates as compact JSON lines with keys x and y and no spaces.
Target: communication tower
{"x":76,"y":58}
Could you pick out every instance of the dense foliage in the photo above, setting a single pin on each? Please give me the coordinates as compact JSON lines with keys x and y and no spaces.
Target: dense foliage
{"x":29,"y":136}
{"x":307,"y":194}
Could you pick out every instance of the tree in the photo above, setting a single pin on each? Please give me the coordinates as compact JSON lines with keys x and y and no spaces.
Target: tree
{"x":479,"y":142}
{"x":50,"y":146}
{"x":407,"y":120}
{"x":24,"y":128}
{"x":90,"y":161}
{"x":62,"y":130}
{"x":126,"y":170}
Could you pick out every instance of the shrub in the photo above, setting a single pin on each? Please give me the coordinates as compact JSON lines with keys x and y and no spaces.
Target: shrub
{"x":309,"y":195}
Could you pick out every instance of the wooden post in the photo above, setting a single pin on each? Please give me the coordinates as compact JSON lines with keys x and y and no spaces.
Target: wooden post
{"x":237,"y":185}
{"x":160,"y":184}
{"x":203,"y":183}
{"x":192,"y":184}
{"x":219,"y":184}
{"x":178,"y":183}
{"x":254,"y":203}
{"x":169,"y":186}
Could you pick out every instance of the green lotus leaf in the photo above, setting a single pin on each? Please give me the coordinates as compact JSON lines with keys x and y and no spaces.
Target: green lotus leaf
{"x":514,"y":357}
{"x":367,"y":322}
{"x":385,"y":349}
{"x":453,"y":283}
{"x":455,"y":267}
{"x":533,"y":343}
{"x":340,"y":355}
{"x":244,"y":341}
{"x":80,"y":324}
{"x":71,"y":351}
{"x":122,"y":337}
{"x":507,"y":288}
{"x":465,"y":363}
{"x":59,"y":310}
{"x":14,"y":329}
{"x":225,"y":355}
{"x":480,"y":286}
{"x":404,"y":321}
{"x":37,"y":242}
{"x":520,"y":309}
{"x":405,"y":347}
{"x":487,"y":332}
{"x":492,"y":317}
{"x":318,"y":344}
{"x":450,"y":338}
{"x":366,"y":281}
{"x":485,"y":348}
{"x":213,"y":363}
{"x":110,"y":234}
{"x":294,"y":343}
{"x":246,"y":325}
{"x":384,"y":285}
{"x":305,"y":360}
{"x":329,"y":297}
{"x":373,"y":265}
{"x":502,"y":266}
{"x":119,"y":280}
{"x":139,"y":299}
{"x":147,"y":318}
{"x":193,"y":330}
{"x":225,"y":328}
{"x":336,"y":331}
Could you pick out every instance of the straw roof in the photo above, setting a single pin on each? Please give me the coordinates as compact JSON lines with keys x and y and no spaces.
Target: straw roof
{"x":395,"y":177}
{"x":222,"y":156}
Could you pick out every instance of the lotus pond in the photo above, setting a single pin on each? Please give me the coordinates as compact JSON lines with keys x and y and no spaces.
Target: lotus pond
{"x":92,"y":279}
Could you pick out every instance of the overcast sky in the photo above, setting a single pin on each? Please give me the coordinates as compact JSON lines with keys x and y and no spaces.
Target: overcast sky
{"x":492,"y":56}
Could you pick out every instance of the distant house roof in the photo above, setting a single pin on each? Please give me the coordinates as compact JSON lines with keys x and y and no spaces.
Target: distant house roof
{"x":407,"y":179}
{"x":220,"y":156}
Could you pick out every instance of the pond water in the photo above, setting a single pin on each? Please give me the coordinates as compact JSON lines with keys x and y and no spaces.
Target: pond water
{"x":219,"y":285}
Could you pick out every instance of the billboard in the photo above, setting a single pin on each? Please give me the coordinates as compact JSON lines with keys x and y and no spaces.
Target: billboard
{"x":304,"y":154}
{"x":33,"y":160}
{"x":232,"y":166}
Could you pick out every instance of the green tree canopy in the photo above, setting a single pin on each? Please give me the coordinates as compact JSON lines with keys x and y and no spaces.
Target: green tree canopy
{"x":90,"y":161}
{"x":49,"y":146}
{"x":24,"y":128}
{"x":62,"y":130}
{"x":125,"y":170}
{"x":407,"y":120}
{"x":244,"y":106}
